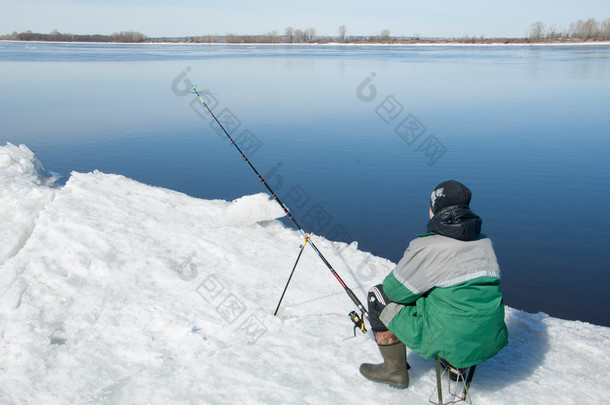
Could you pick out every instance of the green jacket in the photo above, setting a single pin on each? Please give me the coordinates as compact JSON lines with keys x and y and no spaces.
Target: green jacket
{"x":447,"y":300}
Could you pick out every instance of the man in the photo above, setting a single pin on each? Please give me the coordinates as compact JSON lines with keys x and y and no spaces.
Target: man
{"x":443,"y":298}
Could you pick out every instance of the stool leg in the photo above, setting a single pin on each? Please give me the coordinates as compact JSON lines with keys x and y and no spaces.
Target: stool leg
{"x":468,"y":381}
{"x":438,"y":381}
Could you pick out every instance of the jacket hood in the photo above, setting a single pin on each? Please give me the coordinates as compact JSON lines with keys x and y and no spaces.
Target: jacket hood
{"x":457,"y":222}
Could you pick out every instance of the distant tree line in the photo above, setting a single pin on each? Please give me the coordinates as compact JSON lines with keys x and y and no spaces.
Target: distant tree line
{"x":56,"y":36}
{"x":589,"y":30}
{"x":290,"y":36}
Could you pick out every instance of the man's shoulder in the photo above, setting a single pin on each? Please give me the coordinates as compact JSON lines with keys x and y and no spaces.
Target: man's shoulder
{"x":433,"y":240}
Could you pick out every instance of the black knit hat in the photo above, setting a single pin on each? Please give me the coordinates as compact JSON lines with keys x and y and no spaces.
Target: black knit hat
{"x":449,"y":193}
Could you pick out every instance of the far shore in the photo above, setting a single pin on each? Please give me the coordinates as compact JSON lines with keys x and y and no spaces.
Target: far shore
{"x":491,"y":42}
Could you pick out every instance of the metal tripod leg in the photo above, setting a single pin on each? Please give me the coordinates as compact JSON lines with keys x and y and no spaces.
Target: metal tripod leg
{"x":439,"y":387}
{"x":466,"y":380}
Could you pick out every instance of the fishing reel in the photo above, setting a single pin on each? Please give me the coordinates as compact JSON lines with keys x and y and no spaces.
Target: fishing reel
{"x":358,"y":321}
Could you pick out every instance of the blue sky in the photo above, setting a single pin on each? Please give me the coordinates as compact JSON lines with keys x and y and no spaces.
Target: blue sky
{"x":446,"y":18}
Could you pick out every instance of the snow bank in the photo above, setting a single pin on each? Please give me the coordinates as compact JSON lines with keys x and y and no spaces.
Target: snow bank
{"x":26,"y":189}
{"x":112,"y":291}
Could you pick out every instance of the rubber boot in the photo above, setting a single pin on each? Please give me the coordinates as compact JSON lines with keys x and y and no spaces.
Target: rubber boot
{"x":393,"y":370}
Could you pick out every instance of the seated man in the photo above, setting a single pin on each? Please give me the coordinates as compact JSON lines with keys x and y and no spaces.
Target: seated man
{"x":443,"y":298}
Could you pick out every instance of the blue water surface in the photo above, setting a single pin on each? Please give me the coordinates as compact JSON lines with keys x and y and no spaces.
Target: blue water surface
{"x":352,"y":138}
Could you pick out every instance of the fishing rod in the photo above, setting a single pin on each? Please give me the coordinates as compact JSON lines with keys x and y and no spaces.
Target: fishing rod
{"x":358,"y":322}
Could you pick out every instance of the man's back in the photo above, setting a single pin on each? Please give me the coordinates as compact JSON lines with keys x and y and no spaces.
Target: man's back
{"x":458,"y":311}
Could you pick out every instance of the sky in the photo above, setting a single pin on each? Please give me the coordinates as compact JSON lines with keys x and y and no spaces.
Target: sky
{"x":157,"y":18}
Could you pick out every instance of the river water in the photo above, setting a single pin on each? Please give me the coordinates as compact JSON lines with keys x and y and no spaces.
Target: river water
{"x":352,"y":138}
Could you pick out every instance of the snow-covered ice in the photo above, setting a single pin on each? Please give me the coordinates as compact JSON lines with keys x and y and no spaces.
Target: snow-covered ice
{"x":113,"y":291}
